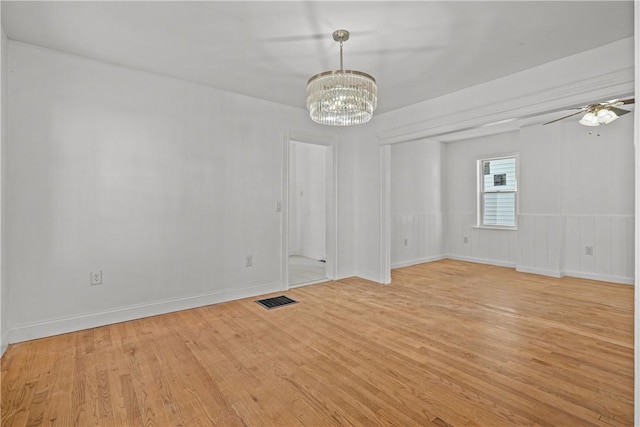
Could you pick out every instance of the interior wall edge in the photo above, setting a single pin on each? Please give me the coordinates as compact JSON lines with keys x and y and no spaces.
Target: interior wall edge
{"x":344,"y":274}
{"x":65,"y":325}
{"x":372,"y":276}
{"x":636,"y":113}
{"x":5,"y":344}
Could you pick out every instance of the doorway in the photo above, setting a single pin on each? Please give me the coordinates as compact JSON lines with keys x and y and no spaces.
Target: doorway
{"x":308,"y":177}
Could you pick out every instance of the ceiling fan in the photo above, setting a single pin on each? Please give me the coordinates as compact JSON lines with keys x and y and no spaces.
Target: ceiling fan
{"x":599,"y":114}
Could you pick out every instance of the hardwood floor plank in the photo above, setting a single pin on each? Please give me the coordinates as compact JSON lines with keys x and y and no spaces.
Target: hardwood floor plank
{"x":448,"y":343}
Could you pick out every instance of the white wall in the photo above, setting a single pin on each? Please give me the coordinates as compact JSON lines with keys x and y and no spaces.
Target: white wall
{"x":164,"y":185}
{"x":416,"y":202}
{"x":347,"y":205}
{"x":367,"y":203}
{"x":308,"y":198}
{"x":4,"y":289}
{"x":575,"y":190}
{"x":460,"y":198}
{"x":578,"y":79}
{"x":598,"y":200}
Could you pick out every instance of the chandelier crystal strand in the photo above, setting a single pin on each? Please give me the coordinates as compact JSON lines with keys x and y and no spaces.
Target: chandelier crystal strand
{"x":342,"y":97}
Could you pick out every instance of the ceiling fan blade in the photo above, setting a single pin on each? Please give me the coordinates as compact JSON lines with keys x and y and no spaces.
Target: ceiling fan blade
{"x":565,"y":117}
{"x":281,"y":39}
{"x":618,"y":102}
{"x":304,"y":37}
{"x":396,"y":51}
{"x":618,"y":111}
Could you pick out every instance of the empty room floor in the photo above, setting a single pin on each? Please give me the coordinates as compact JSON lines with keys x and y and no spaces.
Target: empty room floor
{"x":303,"y":270}
{"x":448,"y":343}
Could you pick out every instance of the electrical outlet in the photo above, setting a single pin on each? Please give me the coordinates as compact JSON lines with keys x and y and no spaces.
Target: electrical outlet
{"x":406,"y":242}
{"x":278,"y":206}
{"x":96,"y":277}
{"x":465,"y":239}
{"x":588,"y":250}
{"x":248,"y":261}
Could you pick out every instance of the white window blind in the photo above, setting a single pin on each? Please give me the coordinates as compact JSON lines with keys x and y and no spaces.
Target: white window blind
{"x":497,"y":196}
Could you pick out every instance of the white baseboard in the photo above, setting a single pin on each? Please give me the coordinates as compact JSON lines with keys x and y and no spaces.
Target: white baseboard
{"x":4,"y":343}
{"x":540,"y":271}
{"x":481,"y":260}
{"x":416,"y":261}
{"x":122,"y":314}
{"x":600,"y":277}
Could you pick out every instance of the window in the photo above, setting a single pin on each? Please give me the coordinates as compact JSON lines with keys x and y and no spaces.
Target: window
{"x":497,"y":192}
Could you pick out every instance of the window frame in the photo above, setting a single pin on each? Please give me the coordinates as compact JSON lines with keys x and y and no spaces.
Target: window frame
{"x":480,"y":192}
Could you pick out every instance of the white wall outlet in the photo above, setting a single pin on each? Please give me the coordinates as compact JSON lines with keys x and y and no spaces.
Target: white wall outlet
{"x":96,"y":277}
{"x":465,"y":239}
{"x":406,"y":242}
{"x":588,"y":250}
{"x":278,"y":206}
{"x":248,"y":261}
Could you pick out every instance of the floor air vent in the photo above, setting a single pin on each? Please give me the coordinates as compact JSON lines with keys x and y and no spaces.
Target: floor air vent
{"x":276,"y":302}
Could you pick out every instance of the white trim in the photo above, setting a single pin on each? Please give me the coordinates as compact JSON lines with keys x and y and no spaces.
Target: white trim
{"x":497,"y":263}
{"x":284,"y":214}
{"x":331,"y":269}
{"x":480,"y":192}
{"x":5,"y":343}
{"x":331,"y":257}
{"x":64,"y":325}
{"x":409,"y":263}
{"x":600,"y":277}
{"x":575,"y":215}
{"x":522,"y":106}
{"x":540,"y":271}
{"x":636,"y":113}
{"x":312,"y":282}
{"x":385,"y":214}
{"x":495,"y":227}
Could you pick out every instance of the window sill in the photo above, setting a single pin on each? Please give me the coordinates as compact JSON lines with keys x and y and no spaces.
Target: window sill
{"x":495,"y":227}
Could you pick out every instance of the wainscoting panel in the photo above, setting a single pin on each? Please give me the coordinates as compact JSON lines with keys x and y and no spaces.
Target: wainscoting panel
{"x":482,"y":245}
{"x":415,"y":238}
{"x":548,"y":244}
{"x":540,"y":244}
{"x":600,"y":247}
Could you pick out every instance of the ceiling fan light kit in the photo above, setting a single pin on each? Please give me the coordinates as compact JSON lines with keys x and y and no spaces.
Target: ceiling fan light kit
{"x":600,"y":114}
{"x":596,"y":118}
{"x":606,"y":116}
{"x":341,"y":97}
{"x":589,"y":119}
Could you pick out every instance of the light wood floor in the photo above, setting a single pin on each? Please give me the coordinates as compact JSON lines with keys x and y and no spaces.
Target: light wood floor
{"x":448,"y":343}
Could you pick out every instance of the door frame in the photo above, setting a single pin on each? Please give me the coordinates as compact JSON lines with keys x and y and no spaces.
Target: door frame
{"x":331,"y":228}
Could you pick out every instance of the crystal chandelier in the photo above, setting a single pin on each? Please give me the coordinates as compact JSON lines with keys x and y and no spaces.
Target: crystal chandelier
{"x":341,"y":97}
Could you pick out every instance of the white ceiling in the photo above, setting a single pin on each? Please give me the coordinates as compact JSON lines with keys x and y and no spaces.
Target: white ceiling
{"x":416,"y":50}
